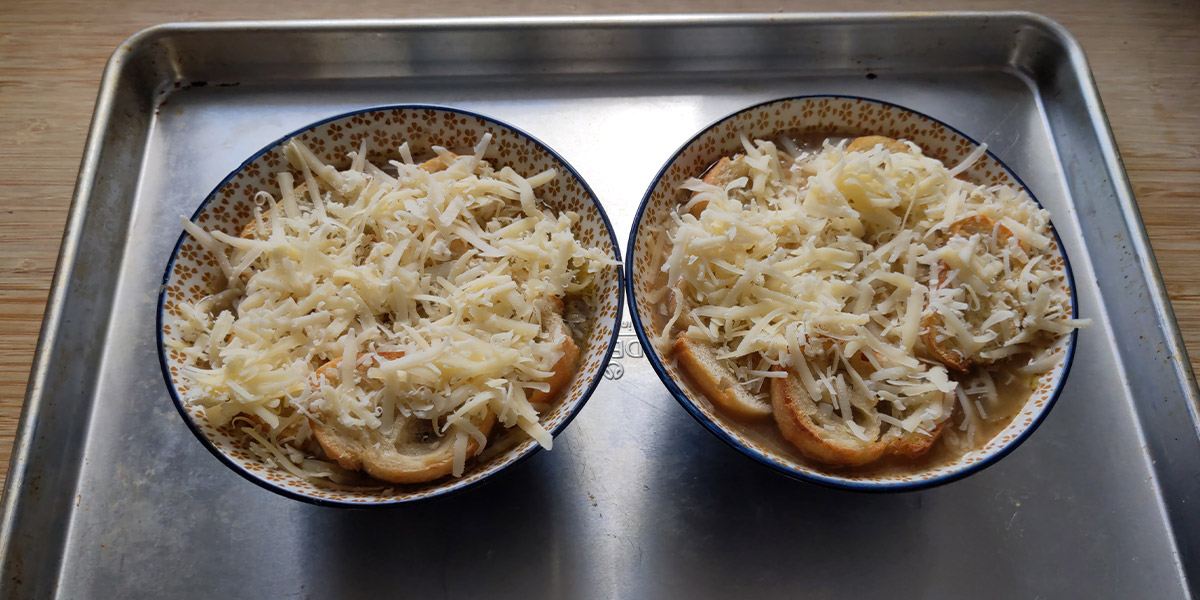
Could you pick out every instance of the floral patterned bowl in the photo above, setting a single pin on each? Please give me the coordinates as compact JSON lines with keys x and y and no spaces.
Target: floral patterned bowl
{"x":826,"y":116}
{"x":191,"y":272}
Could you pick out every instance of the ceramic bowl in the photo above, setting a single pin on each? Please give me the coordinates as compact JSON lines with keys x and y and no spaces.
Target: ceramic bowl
{"x":191,"y":272}
{"x":826,"y":116}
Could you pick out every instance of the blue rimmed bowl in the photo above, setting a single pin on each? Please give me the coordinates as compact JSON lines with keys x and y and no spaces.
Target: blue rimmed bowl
{"x":192,"y":273}
{"x":827,"y":116}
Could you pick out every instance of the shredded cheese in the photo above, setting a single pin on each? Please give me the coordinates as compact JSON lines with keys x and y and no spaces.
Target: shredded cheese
{"x":452,"y":270}
{"x":822,"y":258}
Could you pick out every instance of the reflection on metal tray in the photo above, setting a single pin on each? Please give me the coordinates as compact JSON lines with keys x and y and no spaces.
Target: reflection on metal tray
{"x":108,"y":491}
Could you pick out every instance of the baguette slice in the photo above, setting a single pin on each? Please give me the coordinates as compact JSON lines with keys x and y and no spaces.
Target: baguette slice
{"x":981,"y":225}
{"x":436,"y":163}
{"x":830,"y":441}
{"x":827,"y":441}
{"x":248,"y":232}
{"x":725,"y":171}
{"x":912,"y":444}
{"x":564,"y":369}
{"x":717,"y":383}
{"x":416,"y":455}
{"x":867,"y":142}
{"x":948,"y":351}
{"x":909,"y":444}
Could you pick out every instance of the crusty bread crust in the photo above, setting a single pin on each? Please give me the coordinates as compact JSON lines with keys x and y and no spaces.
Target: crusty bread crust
{"x":436,"y":163}
{"x":723,"y":172}
{"x":564,"y":368}
{"x":912,"y":444}
{"x":867,"y":142}
{"x":249,"y":230}
{"x":382,"y":460}
{"x":797,"y":417}
{"x":795,"y":414}
{"x":948,"y":351}
{"x":716,"y":382}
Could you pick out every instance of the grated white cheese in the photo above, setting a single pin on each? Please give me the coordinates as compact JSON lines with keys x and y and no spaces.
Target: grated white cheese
{"x":819,"y":255}
{"x":452,"y":270}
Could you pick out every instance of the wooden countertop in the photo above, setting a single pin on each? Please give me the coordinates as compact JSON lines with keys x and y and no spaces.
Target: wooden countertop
{"x":1145,"y":56}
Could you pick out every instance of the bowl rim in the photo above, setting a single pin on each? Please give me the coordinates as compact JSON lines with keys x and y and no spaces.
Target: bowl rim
{"x":823,"y":479}
{"x":394,"y":501}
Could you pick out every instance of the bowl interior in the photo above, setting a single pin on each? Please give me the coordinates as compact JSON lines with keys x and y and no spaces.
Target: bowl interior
{"x":192,"y":273}
{"x":825,"y":116}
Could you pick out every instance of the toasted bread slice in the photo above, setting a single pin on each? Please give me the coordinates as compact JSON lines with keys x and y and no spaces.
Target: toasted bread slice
{"x":830,"y":440}
{"x":416,"y":455}
{"x":564,"y":369}
{"x":867,"y":142}
{"x":912,"y":444}
{"x":981,"y":225}
{"x":677,"y":299}
{"x":948,"y":351}
{"x":897,"y":441}
{"x":248,"y":232}
{"x":437,"y":163}
{"x":825,"y":440}
{"x":250,"y":228}
{"x":720,"y":174}
{"x":716,"y":382}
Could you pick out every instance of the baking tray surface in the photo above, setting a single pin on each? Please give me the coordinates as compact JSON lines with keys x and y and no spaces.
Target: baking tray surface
{"x":108,"y":490}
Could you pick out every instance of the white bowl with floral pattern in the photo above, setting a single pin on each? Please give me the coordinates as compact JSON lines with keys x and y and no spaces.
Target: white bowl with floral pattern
{"x":191,"y":273}
{"x":826,"y":116}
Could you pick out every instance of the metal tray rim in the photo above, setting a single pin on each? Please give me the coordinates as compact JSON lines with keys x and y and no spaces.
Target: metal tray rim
{"x":595,"y":20}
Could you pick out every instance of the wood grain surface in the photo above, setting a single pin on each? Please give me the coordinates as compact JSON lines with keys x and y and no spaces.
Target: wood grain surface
{"x":1145,"y":56}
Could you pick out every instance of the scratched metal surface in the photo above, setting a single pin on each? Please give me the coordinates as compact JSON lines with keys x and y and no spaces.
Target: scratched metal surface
{"x":111,"y":496}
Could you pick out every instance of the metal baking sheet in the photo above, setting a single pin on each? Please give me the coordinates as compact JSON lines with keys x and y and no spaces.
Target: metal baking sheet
{"x":109,"y":495}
